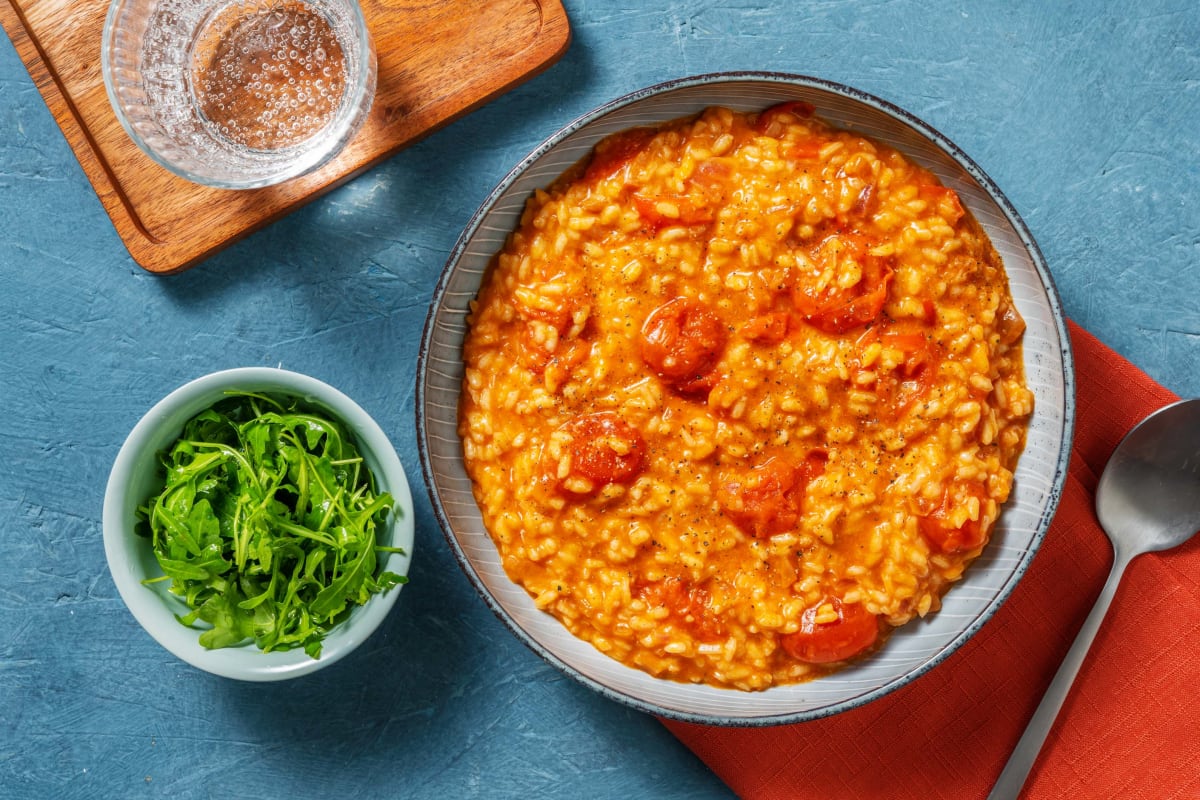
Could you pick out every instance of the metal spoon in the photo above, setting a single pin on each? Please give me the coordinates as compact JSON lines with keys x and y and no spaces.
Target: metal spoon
{"x":1148,"y":499}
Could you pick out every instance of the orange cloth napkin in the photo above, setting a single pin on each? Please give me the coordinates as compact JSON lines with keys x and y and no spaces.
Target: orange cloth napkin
{"x":1131,"y":726}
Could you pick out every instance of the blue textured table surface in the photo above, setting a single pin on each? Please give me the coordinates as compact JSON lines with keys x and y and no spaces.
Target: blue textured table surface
{"x":1087,"y":115}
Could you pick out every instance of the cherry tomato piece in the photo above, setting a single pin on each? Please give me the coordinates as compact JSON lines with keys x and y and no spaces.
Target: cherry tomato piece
{"x":531,"y":352}
{"x":914,"y":377}
{"x":703,"y":193}
{"x":945,"y":199}
{"x":682,"y":341}
{"x":689,"y":212}
{"x":919,"y":352}
{"x":615,"y":152}
{"x":559,"y":316}
{"x":687,"y":603}
{"x":537,"y":347}
{"x":865,"y":201}
{"x":834,"y":309}
{"x":805,"y":149}
{"x":767,"y":328}
{"x":768,"y":499}
{"x":941,"y":532}
{"x":853,"y":631}
{"x":712,"y":175}
{"x":949,"y":539}
{"x":564,"y":361}
{"x":604,"y":449}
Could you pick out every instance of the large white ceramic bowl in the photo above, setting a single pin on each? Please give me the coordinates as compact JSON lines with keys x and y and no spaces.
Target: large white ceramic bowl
{"x":911,"y":650}
{"x":135,"y":477}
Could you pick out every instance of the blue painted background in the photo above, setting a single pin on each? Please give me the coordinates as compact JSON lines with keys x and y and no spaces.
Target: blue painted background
{"x":1085,"y":113}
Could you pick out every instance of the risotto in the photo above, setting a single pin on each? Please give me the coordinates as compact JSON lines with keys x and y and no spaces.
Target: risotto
{"x":743,"y":393}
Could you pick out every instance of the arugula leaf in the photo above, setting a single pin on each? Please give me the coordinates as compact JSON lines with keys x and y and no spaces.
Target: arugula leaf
{"x":266,"y":524}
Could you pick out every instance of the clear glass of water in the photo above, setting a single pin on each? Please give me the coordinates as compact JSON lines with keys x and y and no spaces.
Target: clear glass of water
{"x":239,"y":94}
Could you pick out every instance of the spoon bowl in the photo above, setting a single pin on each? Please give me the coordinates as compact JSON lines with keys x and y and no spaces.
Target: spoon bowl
{"x":1148,"y":499}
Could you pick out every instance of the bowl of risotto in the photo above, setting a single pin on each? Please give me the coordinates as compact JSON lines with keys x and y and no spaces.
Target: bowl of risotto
{"x":745,"y":399}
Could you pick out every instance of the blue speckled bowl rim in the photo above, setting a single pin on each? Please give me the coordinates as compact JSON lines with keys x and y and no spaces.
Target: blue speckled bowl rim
{"x":983,"y":180}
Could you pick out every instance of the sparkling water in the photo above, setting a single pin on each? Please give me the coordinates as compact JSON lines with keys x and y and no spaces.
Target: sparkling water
{"x":247,"y":89}
{"x":269,"y":79}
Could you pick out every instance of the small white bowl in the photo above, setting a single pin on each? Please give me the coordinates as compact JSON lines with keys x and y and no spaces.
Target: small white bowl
{"x":133,"y":480}
{"x":912,"y":650}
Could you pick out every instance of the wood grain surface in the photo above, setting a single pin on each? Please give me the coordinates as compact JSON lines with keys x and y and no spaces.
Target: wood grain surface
{"x":438,"y":59}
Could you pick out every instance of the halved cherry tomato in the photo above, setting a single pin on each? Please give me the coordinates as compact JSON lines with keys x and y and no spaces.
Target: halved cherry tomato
{"x":854,"y":630}
{"x":682,"y":340}
{"x":768,"y":499}
{"x":946,"y":200}
{"x":831,"y":308}
{"x":940,"y":532}
{"x":613,"y":153}
{"x":688,"y":604}
{"x":604,"y":449}
{"x":797,"y":109}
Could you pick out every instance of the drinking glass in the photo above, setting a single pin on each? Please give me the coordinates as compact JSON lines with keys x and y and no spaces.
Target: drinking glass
{"x":239,"y":94}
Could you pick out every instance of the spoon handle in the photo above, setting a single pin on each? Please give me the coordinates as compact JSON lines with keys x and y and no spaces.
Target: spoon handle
{"x":1012,"y":778}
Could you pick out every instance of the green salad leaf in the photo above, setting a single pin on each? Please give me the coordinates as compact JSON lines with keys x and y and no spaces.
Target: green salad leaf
{"x":266,"y":524}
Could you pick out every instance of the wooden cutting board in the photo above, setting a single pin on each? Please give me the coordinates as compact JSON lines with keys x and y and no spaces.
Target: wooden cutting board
{"x":438,"y":60}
